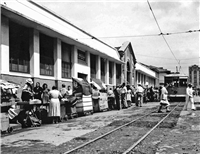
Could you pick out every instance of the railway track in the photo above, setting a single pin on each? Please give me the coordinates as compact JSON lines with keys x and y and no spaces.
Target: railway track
{"x":121,"y":131}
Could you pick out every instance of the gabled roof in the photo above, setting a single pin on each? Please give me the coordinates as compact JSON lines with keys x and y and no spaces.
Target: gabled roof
{"x":123,"y":48}
{"x":159,"y":69}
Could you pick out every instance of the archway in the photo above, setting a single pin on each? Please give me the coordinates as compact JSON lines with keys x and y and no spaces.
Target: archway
{"x":128,"y":76}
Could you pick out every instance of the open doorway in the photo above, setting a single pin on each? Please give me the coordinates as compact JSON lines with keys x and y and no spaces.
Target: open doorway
{"x":83,"y":76}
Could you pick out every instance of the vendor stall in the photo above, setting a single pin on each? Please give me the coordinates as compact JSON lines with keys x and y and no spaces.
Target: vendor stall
{"x":102,"y":103}
{"x":70,"y":107}
{"x":82,"y":91}
{"x":8,"y":99}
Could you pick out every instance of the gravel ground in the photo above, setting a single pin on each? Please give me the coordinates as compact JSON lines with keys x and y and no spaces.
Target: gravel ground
{"x":119,"y":141}
{"x":168,"y":138}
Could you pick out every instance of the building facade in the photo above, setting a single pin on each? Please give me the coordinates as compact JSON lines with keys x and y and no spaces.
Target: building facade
{"x":194,"y":76}
{"x":160,"y":74}
{"x":127,"y":74}
{"x":144,"y":75}
{"x":38,"y":44}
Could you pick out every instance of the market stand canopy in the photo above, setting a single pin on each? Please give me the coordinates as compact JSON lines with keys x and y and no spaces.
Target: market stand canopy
{"x":98,"y":83}
{"x":8,"y":88}
{"x":8,"y":84}
{"x":81,"y":86}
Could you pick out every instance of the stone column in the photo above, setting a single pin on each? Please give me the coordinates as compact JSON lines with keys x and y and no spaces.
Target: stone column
{"x":88,"y":62}
{"x":74,"y":61}
{"x":57,"y":59}
{"x":107,"y":72}
{"x":98,"y":67}
{"x":34,"y":53}
{"x":57,"y":62}
{"x":114,"y":73}
{"x":4,"y":52}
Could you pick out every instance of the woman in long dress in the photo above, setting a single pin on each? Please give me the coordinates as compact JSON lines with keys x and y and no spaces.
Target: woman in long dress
{"x":128,"y":96}
{"x":54,"y":105}
{"x":45,"y":94}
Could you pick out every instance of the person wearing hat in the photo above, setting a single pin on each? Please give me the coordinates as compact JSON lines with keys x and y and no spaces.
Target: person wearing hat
{"x":27,"y":91}
{"x":189,"y":97}
{"x":164,"y":99}
{"x":63,"y":91}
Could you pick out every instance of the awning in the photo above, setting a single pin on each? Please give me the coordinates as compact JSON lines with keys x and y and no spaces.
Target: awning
{"x":81,"y":85}
{"x":98,"y":83}
{"x":8,"y":84}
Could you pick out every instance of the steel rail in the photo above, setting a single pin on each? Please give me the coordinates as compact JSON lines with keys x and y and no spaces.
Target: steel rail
{"x":95,"y":139}
{"x":143,"y":137}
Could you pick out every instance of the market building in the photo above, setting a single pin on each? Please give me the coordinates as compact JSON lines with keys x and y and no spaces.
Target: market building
{"x":194,"y":75}
{"x":38,"y":44}
{"x":144,"y":75}
{"x":128,"y":68}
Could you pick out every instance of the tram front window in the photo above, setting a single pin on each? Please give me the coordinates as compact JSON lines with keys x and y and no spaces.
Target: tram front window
{"x":183,"y":82}
{"x":175,"y":82}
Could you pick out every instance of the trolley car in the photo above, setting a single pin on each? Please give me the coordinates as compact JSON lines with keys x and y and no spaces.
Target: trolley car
{"x":177,"y":84}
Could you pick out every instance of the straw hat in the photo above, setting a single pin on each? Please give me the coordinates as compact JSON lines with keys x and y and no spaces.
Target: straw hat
{"x":29,"y":81}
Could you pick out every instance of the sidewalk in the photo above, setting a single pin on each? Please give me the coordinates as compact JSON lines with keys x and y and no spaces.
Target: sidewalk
{"x":53,"y":133}
{"x":184,"y":137}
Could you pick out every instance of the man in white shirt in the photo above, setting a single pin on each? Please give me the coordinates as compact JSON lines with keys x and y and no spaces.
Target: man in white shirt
{"x":123,"y":96}
{"x":189,"y":97}
{"x":164,"y":100}
{"x":139,"y":92}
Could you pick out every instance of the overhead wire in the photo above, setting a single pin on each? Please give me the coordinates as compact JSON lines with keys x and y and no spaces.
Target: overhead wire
{"x":165,"y":57}
{"x":161,"y":31}
{"x":145,"y":35}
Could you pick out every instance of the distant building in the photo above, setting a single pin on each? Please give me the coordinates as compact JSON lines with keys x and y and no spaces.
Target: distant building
{"x":194,"y":75}
{"x":160,"y":74}
{"x":144,"y":75}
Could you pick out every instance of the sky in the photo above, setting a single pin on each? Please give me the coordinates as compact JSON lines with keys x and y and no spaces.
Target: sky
{"x":115,"y":22}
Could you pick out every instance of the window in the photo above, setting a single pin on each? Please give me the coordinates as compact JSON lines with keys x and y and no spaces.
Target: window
{"x":19,"y":48}
{"x":93,"y":66}
{"x":103,"y":72}
{"x":82,"y":57}
{"x":66,"y":60}
{"x":183,"y":82}
{"x":128,"y":72}
{"x":118,"y":73}
{"x":46,"y":55}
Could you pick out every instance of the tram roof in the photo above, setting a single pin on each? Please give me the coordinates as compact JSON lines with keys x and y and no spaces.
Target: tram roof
{"x":176,"y":75}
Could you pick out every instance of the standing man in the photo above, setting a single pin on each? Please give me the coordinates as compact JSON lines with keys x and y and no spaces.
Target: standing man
{"x":164,"y":101}
{"x":140,"y":93}
{"x":111,"y":99}
{"x":63,"y":91}
{"x":123,"y":96}
{"x":189,"y":97}
{"x":117,"y":93}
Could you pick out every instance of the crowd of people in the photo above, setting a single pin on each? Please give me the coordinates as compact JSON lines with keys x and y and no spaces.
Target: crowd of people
{"x":49,"y":99}
{"x":124,"y":96}
{"x":119,"y":97}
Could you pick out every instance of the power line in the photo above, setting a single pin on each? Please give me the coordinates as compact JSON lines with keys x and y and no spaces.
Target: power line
{"x":164,"y":57}
{"x":161,"y":32}
{"x":145,"y":35}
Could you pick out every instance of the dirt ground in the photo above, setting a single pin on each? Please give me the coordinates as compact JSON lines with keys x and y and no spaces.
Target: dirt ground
{"x":183,"y":139}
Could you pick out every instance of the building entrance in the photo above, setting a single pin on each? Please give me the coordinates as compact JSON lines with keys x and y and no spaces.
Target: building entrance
{"x":83,"y":76}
